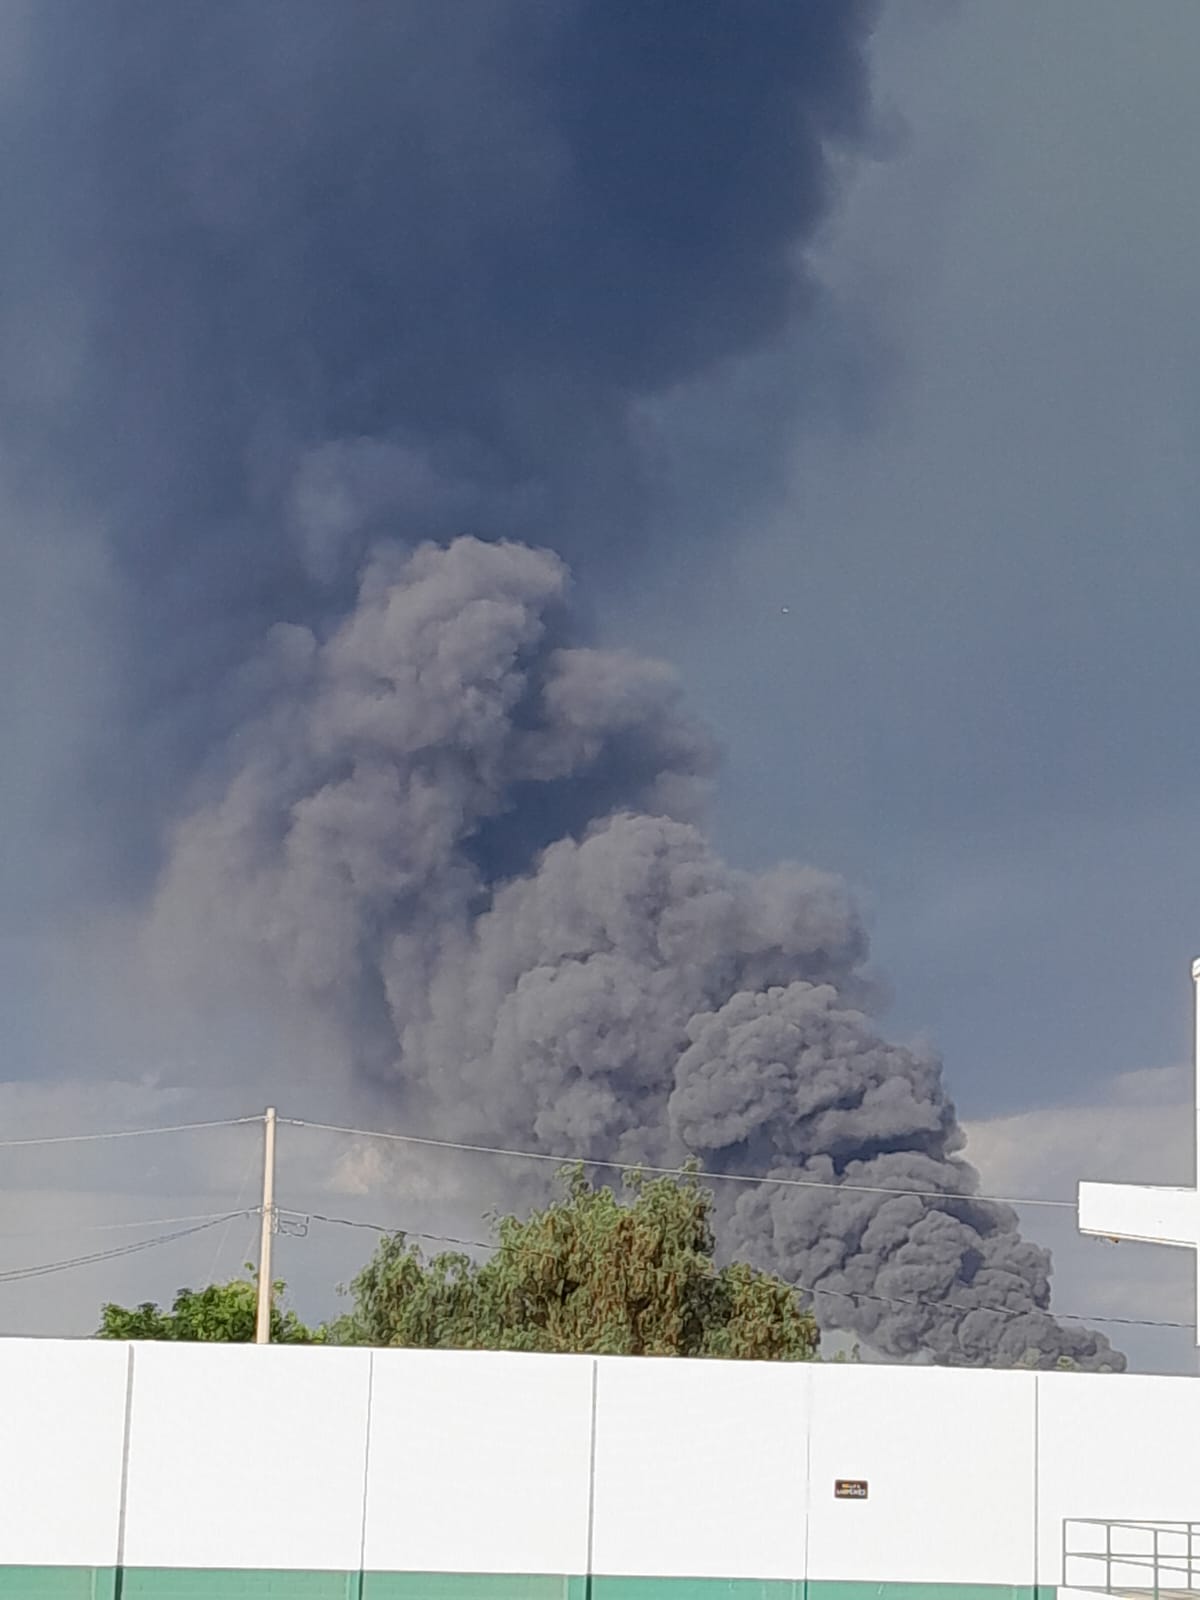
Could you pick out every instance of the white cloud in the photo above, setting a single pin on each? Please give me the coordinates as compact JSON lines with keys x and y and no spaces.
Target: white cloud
{"x":1139,"y":1131}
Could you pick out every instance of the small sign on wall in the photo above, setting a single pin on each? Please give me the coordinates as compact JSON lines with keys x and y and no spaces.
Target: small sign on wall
{"x":849,"y":1488}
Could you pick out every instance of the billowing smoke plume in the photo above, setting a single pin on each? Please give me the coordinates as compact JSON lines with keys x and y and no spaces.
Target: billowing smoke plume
{"x":284,"y":280}
{"x":280,"y":276}
{"x":468,"y":838}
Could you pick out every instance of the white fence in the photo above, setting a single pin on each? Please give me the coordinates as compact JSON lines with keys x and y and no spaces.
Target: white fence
{"x":204,"y":1457}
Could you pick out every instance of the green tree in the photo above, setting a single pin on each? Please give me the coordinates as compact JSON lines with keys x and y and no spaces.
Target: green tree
{"x":223,"y":1313}
{"x":587,"y":1274}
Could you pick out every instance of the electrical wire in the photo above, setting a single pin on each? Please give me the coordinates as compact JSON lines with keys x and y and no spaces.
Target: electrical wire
{"x":1004,"y":1311}
{"x":125,"y":1133}
{"x":540,"y":1155}
{"x":204,"y":1222}
{"x":255,"y":1224}
{"x":46,"y":1268}
{"x":223,"y":1238}
{"x":811,"y":1290}
{"x":112,"y":1227}
{"x":674,"y":1172}
{"x":411,"y":1233}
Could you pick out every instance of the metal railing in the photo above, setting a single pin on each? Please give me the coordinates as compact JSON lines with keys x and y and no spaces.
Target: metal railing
{"x":1161,"y":1559}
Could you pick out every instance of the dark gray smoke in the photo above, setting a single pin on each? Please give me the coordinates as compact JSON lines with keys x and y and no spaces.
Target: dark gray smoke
{"x":611,"y":989}
{"x":279,"y":276}
{"x":284,"y":280}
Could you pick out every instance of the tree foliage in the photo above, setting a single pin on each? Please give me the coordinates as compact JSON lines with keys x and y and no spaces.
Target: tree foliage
{"x":223,"y":1313}
{"x":587,"y":1274}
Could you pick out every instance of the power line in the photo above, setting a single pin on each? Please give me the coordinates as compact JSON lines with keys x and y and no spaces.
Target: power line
{"x":539,"y":1155}
{"x":674,"y":1172}
{"x":432,"y":1238}
{"x":203,"y":1222}
{"x":800,"y":1288}
{"x":1004,"y":1311}
{"x":135,"y":1222}
{"x":223,"y":1238}
{"x":46,"y":1268}
{"x":126,"y":1133}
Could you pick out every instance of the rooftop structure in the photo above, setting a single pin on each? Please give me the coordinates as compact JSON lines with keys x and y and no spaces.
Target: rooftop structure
{"x":1148,"y":1214}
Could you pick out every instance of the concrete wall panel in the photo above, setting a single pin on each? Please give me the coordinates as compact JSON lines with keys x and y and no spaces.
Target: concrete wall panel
{"x":479,"y":1463}
{"x":457,"y":1476}
{"x":700,"y":1468}
{"x":948,"y":1459}
{"x":1114,"y":1447}
{"x":62,"y":1427}
{"x":244,"y":1457}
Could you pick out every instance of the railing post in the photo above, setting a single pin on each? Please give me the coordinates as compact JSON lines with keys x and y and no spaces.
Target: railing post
{"x":1108,"y":1558}
{"x":1154,"y":1536}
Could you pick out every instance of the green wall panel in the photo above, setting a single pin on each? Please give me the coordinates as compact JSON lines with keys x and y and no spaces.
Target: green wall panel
{"x":484,"y":1586}
{"x":697,"y":1589}
{"x":785,"y":1589}
{"x":819,"y":1589}
{"x":470,"y":1586}
{"x":219,"y":1583}
{"x":168,"y":1583}
{"x":58,"y":1583}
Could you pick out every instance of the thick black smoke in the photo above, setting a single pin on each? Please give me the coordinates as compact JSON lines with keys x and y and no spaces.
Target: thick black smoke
{"x":283,"y":282}
{"x":279,"y":276}
{"x":614,"y":990}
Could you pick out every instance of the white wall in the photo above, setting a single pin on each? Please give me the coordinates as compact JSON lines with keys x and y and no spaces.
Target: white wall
{"x":1118,"y":1447}
{"x":432,"y":1461}
{"x":701,"y":1468}
{"x":949,"y":1461}
{"x":479,"y":1463}
{"x":241,"y":1456}
{"x":62,"y":1426}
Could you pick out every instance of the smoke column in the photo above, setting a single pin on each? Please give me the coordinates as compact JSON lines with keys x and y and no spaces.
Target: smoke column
{"x":612,"y":989}
{"x":279,"y":277}
{"x":331,"y":334}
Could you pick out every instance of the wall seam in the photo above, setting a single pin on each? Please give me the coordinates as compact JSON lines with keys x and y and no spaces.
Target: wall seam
{"x":123,"y":1500}
{"x":1037,"y":1488}
{"x":591,"y":1512}
{"x":362,"y":1536}
{"x":810,"y":1405}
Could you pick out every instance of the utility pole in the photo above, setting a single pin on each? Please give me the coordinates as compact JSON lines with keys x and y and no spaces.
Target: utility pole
{"x":262,"y":1329}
